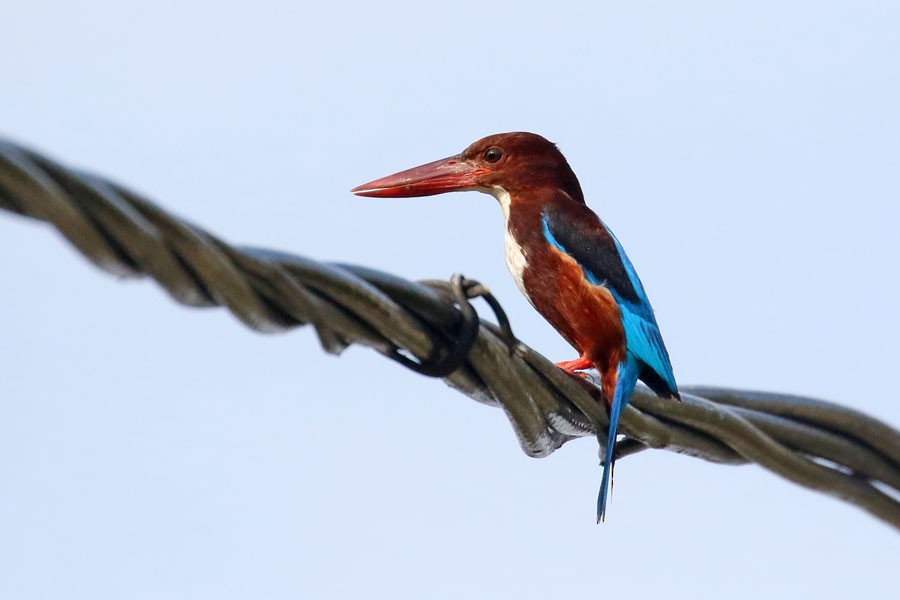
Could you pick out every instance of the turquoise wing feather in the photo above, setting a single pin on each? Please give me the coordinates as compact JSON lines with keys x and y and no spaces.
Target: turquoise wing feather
{"x":604,"y":262}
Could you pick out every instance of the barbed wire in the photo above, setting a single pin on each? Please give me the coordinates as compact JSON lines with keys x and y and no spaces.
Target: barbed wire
{"x":432,"y":328}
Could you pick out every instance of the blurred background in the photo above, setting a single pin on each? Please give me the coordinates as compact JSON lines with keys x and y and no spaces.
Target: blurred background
{"x":745,"y":153}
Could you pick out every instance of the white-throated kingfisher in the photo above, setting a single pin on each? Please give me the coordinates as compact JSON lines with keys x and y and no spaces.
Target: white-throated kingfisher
{"x":565,"y":260}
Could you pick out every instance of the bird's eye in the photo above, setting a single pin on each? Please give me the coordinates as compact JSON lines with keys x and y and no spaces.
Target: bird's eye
{"x":492,"y":155}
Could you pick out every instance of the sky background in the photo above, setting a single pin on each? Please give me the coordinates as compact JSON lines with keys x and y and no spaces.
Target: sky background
{"x":745,"y":153}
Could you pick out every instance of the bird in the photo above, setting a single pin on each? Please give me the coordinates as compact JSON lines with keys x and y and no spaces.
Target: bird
{"x":564,"y":259}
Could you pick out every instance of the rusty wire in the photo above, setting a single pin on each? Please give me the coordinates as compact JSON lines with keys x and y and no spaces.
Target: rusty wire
{"x":432,"y":328}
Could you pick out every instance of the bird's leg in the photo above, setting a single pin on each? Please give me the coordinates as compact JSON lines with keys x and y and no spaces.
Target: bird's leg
{"x":579,"y":364}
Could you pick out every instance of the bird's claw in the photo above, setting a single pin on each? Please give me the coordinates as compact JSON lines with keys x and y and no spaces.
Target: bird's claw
{"x":573,"y":366}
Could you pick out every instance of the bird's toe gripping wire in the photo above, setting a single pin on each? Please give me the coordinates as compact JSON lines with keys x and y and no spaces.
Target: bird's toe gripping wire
{"x":572,"y":366}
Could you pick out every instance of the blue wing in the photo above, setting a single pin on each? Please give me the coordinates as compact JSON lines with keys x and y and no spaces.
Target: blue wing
{"x":583,"y":236}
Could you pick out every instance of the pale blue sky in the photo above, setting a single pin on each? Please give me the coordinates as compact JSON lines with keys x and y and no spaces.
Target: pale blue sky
{"x":745,"y":153}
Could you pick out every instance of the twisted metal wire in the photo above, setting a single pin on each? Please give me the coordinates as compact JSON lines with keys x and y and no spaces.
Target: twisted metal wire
{"x":432,"y":328}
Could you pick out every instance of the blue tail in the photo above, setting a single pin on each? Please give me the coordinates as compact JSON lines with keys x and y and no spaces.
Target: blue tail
{"x":627,"y":379}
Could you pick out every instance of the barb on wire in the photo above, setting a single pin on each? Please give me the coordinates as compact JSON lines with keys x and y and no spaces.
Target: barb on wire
{"x":432,"y":328}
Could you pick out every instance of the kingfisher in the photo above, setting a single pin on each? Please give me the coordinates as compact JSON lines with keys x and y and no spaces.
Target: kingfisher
{"x":564,"y":259}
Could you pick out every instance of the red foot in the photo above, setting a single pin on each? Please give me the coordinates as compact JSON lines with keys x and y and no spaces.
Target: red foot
{"x":570,"y":366}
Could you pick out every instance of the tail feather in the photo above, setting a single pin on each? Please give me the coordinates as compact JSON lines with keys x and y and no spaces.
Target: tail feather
{"x":609,"y":462}
{"x":625,"y":382}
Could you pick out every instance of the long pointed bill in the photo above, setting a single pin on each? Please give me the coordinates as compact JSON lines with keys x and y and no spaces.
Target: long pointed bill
{"x":445,"y":175}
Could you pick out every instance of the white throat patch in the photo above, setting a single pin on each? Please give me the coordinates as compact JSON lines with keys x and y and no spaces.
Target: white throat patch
{"x":515,"y":258}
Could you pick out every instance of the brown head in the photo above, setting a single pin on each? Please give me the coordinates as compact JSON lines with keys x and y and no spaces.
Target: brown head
{"x":512,"y":162}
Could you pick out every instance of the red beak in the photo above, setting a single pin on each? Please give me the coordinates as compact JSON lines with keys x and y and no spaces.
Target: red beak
{"x":445,"y":175}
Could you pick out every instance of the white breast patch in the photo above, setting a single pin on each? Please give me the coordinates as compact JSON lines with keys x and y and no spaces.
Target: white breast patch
{"x":515,"y":258}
